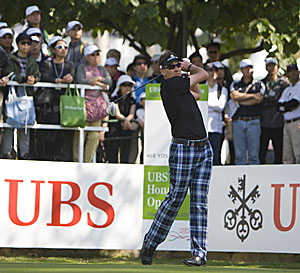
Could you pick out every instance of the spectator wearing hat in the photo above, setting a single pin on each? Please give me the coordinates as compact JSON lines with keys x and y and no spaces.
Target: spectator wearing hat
{"x":272,"y":118}
{"x":125,"y":112}
{"x":140,"y":65}
{"x":36,"y":50}
{"x":25,"y":70}
{"x":289,"y":106}
{"x":217,"y":98}
{"x":76,"y":45}
{"x":55,"y":144}
{"x":154,"y":63}
{"x":248,"y":93}
{"x":6,"y":40}
{"x":111,"y":65}
{"x":33,"y":17}
{"x":214,"y":53}
{"x":94,"y":74}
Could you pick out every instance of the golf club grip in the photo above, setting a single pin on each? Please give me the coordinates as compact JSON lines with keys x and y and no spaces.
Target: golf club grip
{"x":118,"y":99}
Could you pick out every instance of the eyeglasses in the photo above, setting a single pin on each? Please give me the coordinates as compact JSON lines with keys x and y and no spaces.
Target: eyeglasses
{"x":140,"y":63}
{"x":127,"y":84}
{"x":213,"y":52}
{"x":25,"y":43}
{"x":60,"y":47}
{"x":95,"y":54}
{"x":172,"y":66}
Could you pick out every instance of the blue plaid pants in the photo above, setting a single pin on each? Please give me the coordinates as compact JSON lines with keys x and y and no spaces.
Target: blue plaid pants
{"x":190,"y":167}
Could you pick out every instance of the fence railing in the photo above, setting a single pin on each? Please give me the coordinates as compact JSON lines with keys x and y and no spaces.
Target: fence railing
{"x":82,"y":88}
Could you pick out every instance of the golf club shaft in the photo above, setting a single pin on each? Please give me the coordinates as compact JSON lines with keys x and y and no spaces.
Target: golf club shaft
{"x":118,"y":99}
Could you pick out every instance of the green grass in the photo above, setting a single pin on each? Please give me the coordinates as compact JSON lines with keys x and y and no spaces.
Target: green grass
{"x":132,"y":265}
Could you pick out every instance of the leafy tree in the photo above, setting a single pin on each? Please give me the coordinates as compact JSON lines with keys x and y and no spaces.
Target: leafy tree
{"x":172,"y":24}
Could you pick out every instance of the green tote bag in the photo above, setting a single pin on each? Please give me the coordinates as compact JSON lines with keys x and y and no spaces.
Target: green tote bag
{"x":72,"y":109}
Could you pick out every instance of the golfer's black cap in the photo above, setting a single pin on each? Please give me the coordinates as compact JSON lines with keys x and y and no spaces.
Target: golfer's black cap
{"x":168,"y":60}
{"x":23,"y":36}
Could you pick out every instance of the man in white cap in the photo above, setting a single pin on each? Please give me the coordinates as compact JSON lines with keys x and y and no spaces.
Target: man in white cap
{"x":33,"y":17}
{"x":246,"y":120}
{"x":76,"y":46}
{"x":272,"y":118}
{"x":111,"y":65}
{"x":6,"y":40}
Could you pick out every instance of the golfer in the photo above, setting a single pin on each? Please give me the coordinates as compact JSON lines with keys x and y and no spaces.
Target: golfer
{"x":190,"y":159}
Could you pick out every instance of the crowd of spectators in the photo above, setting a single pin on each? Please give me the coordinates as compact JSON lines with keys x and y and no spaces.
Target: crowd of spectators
{"x":252,"y":116}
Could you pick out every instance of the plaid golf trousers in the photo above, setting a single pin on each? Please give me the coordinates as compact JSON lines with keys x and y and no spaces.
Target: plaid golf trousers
{"x":190,"y":167}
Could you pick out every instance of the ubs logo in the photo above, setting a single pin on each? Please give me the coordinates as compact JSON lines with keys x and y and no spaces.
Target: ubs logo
{"x":242,"y":215}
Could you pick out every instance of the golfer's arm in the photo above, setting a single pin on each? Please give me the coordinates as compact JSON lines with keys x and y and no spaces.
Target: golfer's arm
{"x":197,"y":75}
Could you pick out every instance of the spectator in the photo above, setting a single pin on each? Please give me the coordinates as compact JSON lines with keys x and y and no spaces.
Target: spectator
{"x":6,"y":40}
{"x":114,"y":53}
{"x":246,"y":120}
{"x":130,"y":70}
{"x":272,"y":119}
{"x":217,"y":98}
{"x":125,"y":112}
{"x":25,"y":70}
{"x":111,"y":65}
{"x":140,"y":64}
{"x":140,"y":115}
{"x":76,"y":46}
{"x":55,"y":144}
{"x":3,"y":25}
{"x":196,"y":59}
{"x":36,"y":52}
{"x":289,"y":105}
{"x":94,"y":74}
{"x":214,"y":53}
{"x":33,"y":16}
{"x":155,"y":68}
{"x":227,"y":122}
{"x":3,"y":82}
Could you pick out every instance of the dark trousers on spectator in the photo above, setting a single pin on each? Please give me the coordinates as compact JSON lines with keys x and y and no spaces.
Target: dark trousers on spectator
{"x":216,"y":140}
{"x":276,"y":135}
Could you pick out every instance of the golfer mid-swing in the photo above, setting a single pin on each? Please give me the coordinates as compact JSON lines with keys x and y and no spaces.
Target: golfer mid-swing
{"x":190,"y":159}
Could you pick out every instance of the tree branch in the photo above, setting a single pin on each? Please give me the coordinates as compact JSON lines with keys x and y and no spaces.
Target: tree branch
{"x":242,"y":51}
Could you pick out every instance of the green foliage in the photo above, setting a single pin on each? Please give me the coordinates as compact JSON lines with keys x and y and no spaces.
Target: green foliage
{"x":148,"y":22}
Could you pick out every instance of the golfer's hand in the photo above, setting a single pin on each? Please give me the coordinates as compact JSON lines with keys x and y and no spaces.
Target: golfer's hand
{"x":185,"y":64}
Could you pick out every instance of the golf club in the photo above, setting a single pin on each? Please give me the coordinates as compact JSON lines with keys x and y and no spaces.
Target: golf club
{"x":111,"y":107}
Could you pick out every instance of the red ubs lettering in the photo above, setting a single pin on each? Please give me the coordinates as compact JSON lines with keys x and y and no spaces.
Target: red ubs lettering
{"x":277,"y":206}
{"x":57,"y":202}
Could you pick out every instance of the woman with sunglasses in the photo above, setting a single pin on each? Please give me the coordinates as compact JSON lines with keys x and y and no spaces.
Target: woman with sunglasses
{"x":25,"y":70}
{"x":125,"y":112}
{"x":55,"y":145}
{"x":96,"y":101}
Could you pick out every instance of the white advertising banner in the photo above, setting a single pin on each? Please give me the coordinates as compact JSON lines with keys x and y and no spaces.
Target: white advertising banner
{"x":70,"y":205}
{"x":251,"y":209}
{"x":104,"y":206}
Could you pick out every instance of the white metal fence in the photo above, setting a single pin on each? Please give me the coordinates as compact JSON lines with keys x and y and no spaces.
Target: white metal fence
{"x":82,"y":88}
